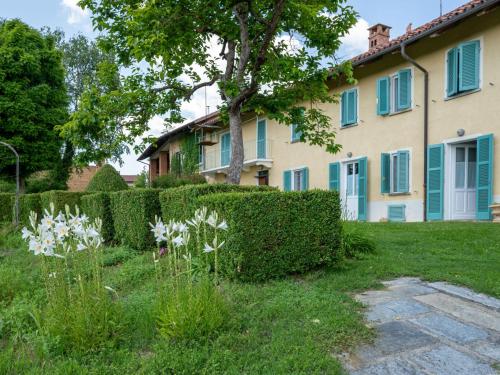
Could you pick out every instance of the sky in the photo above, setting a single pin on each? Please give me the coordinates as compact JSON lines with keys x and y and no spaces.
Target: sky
{"x":66,"y":15}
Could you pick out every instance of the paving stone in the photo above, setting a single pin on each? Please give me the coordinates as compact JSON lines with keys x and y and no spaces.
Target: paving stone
{"x":467,"y":294}
{"x":444,"y":360}
{"x":450,"y":328}
{"x":488,"y":349}
{"x":464,"y":310}
{"x":389,"y":367}
{"x":410,"y":290}
{"x":394,"y":337}
{"x":374,"y":297}
{"x":397,"y":309}
{"x":402,"y":281}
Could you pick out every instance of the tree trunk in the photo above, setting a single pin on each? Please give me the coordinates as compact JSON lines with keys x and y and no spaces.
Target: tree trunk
{"x":237,"y":153}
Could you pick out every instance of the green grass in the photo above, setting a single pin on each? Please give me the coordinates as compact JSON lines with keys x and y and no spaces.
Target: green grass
{"x":296,"y":325}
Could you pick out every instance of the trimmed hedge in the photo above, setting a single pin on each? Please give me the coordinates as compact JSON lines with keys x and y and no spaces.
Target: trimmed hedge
{"x":28,"y":203}
{"x":132,"y":212}
{"x":97,"y":205}
{"x":273,"y":234}
{"x":60,"y":198}
{"x":106,"y":179}
{"x":6,"y":207}
{"x":180,"y":203}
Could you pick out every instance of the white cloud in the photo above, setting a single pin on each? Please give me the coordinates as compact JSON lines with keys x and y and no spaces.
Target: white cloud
{"x":75,"y":14}
{"x":356,"y":41}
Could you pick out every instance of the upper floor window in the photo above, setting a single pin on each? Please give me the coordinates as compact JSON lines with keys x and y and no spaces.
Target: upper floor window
{"x":349,"y":107}
{"x":462,"y":68}
{"x":395,"y":172}
{"x":394,"y":92}
{"x":296,"y":134}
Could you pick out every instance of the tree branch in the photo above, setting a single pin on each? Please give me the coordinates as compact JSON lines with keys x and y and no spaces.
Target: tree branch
{"x":186,"y":95}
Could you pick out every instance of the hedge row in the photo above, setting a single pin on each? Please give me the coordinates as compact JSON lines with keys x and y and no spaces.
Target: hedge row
{"x":98,"y":205}
{"x":132,"y":211}
{"x":28,"y":203}
{"x":180,"y":203}
{"x":272,"y":234}
{"x":6,"y":207}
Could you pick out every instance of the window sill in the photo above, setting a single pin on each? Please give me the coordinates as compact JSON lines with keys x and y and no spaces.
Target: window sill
{"x":295,"y":141}
{"x":461,"y":94}
{"x":399,"y":112}
{"x":349,"y":126}
{"x":396,"y":194}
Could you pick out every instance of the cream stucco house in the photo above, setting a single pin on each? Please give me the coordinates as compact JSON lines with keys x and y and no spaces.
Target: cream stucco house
{"x":419,"y":131}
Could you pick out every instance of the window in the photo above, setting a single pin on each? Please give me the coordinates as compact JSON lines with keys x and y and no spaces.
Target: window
{"x":349,"y":107}
{"x":462,"y":68}
{"x":296,"y":179}
{"x":296,"y":135}
{"x":225,"y":149}
{"x":395,"y":172}
{"x":394,"y":92}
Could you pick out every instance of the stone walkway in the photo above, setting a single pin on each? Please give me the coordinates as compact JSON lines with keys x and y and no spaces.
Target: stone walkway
{"x":429,"y":328}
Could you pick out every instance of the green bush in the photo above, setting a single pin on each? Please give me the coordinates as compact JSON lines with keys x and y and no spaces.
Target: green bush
{"x":97,"y":205}
{"x":60,"y":198}
{"x":170,"y":180}
{"x":6,"y":207}
{"x":355,"y":241}
{"x":7,"y":186}
{"x":28,"y":203}
{"x":39,"y":184}
{"x":180,"y":203}
{"x":107,"y":179}
{"x":132,"y":212}
{"x":272,"y":234}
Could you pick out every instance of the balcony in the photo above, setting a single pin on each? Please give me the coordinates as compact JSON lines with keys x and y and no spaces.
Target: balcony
{"x":256,"y":154}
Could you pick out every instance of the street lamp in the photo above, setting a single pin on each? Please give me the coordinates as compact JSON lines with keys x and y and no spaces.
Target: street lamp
{"x":17,"y":179}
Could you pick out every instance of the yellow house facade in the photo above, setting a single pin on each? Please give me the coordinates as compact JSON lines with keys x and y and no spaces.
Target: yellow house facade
{"x":411,"y":151}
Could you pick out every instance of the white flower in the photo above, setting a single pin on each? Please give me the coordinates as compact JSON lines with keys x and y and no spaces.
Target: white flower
{"x":48,"y":241}
{"x":60,"y":217}
{"x":215,"y":246}
{"x":178,"y":241}
{"x":47,"y":222}
{"x":212,"y":220}
{"x":208,"y":248}
{"x":52,"y":275}
{"x":80,"y":247}
{"x":222,"y":225}
{"x":92,"y":233}
{"x":26,"y":234}
{"x":36,"y":247}
{"x":61,"y":229}
{"x":181,"y":227}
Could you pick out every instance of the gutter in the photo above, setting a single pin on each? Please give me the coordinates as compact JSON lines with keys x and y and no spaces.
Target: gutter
{"x":426,"y":118}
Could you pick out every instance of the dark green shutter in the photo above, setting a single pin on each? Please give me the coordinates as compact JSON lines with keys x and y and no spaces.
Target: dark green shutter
{"x":404,"y":89}
{"x":334,"y":176}
{"x":385,"y":172}
{"x":452,"y":72}
{"x":343,"y":109}
{"x":403,"y":171}
{"x":362,"y":189}
{"x":261,"y":139}
{"x":225,"y":149}
{"x":287,"y":180}
{"x":484,"y":177}
{"x":305,"y":179}
{"x":383,"y":89}
{"x":468,"y":78}
{"x":435,"y":181}
{"x":352,"y":107}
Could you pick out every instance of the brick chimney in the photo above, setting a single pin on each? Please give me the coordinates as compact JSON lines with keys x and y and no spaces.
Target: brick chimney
{"x":379,"y":35}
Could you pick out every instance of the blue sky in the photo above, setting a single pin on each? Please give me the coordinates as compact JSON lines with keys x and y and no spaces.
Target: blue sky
{"x":66,"y":15}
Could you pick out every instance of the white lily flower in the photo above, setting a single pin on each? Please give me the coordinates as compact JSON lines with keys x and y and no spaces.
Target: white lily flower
{"x":26,"y":234}
{"x":222,"y":225}
{"x":208,"y":248}
{"x":181,"y":227}
{"x":36,"y":247}
{"x":80,"y":247}
{"x":178,"y":241}
{"x":61,"y":229}
{"x":212,"y":220}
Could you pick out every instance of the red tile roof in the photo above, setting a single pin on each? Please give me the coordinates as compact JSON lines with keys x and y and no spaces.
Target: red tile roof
{"x":421,"y":31}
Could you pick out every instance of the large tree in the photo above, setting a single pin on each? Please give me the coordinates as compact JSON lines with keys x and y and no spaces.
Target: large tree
{"x":32,"y":98}
{"x":265,"y":56}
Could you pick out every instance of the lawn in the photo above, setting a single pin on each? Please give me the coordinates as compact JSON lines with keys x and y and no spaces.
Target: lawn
{"x":296,"y":325}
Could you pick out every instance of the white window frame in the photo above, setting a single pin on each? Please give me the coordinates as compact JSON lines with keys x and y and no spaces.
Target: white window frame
{"x":393,"y":91}
{"x":357,"y":107}
{"x":292,"y":177}
{"x":391,"y":166}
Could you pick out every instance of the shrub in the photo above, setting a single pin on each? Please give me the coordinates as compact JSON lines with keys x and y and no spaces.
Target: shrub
{"x":28,"y":203}
{"x":356,"y":242}
{"x":181,"y":203}
{"x":42,"y":182}
{"x":7,"y":186}
{"x":6,"y":207}
{"x":170,"y":180}
{"x":97,"y":205}
{"x":60,"y":198}
{"x":107,"y":179}
{"x":132,"y":210}
{"x":272,"y":234}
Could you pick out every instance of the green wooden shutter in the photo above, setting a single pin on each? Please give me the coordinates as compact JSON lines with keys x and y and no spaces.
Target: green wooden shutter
{"x":403,"y":171}
{"x":383,"y":89}
{"x":352,"y":107}
{"x":343,"y":109}
{"x":362,"y":189}
{"x":225,"y":149}
{"x":305,"y":179}
{"x":261,"y":139}
{"x":484,"y":177}
{"x":452,"y":72}
{"x":435,"y":181}
{"x":334,"y":176}
{"x":404,"y":89}
{"x":287,"y":180}
{"x":385,"y":173}
{"x":468,"y":77}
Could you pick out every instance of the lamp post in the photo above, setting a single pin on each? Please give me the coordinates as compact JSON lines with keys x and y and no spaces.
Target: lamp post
{"x":17,"y":180}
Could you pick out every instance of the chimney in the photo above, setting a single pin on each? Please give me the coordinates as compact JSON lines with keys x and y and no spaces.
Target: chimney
{"x":379,"y":36}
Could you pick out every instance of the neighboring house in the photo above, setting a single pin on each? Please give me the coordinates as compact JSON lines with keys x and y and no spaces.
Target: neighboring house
{"x":80,"y":178}
{"x":408,"y":153}
{"x":129,"y":179}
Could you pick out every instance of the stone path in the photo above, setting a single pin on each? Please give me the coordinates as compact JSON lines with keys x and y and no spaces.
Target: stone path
{"x":429,"y":328}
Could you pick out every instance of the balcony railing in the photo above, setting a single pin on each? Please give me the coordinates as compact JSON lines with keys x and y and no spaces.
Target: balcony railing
{"x":254,"y":153}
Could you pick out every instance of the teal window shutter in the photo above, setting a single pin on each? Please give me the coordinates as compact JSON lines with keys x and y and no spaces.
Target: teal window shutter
{"x":452,"y":72}
{"x":435,"y":181}
{"x":468,"y":78}
{"x":296,"y":134}
{"x":352,"y":104}
{"x":403,"y":171}
{"x":362,"y":188}
{"x":385,"y":173}
{"x":484,"y":177}
{"x":396,"y":212}
{"x":305,"y":179}
{"x":287,"y":180}
{"x":383,"y":89}
{"x":261,"y":139}
{"x":225,"y":149}
{"x":343,"y":109}
{"x":334,"y":176}
{"x":404,"y":89}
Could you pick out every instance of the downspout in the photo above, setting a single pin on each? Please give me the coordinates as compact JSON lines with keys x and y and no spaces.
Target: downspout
{"x":426,"y":118}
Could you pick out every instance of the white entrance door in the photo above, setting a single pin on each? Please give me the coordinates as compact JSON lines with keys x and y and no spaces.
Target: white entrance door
{"x":464,"y":182}
{"x":351,"y":190}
